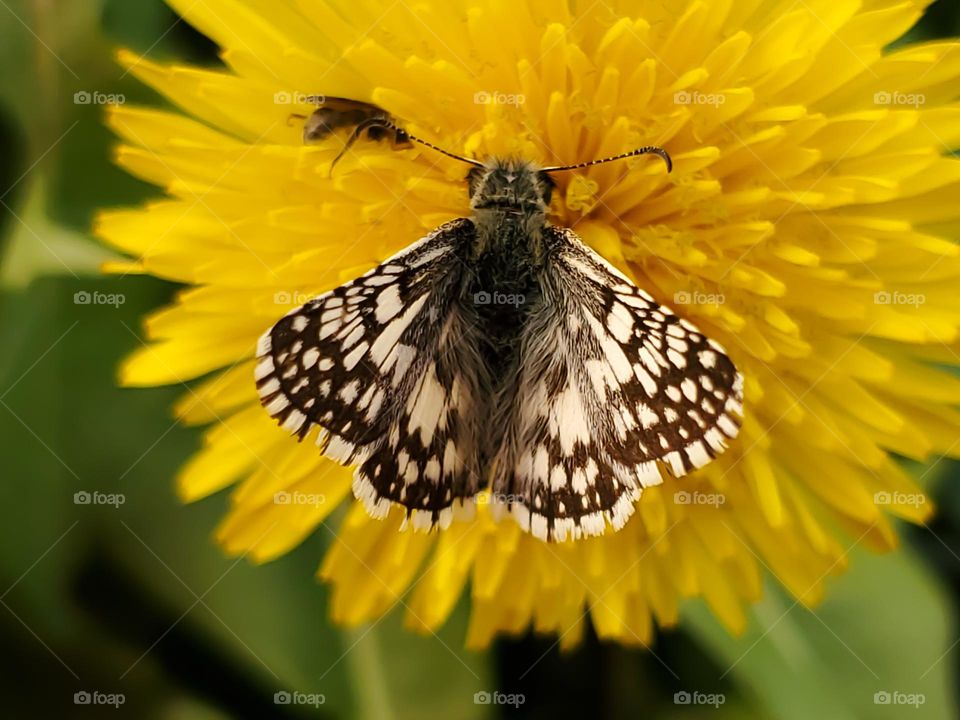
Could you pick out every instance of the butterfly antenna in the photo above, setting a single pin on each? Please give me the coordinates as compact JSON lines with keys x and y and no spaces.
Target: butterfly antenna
{"x":654,"y":149}
{"x":461,"y":158}
{"x":401,"y":136}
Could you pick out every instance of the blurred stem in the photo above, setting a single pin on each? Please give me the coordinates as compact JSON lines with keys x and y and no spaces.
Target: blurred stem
{"x":366,"y":671}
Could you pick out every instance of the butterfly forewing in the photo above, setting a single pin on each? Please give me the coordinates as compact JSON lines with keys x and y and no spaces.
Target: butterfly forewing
{"x":386,"y":367}
{"x":609,"y":383}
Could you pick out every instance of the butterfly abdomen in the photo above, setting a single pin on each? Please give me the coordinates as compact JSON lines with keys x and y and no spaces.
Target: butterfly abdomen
{"x":502,"y":287}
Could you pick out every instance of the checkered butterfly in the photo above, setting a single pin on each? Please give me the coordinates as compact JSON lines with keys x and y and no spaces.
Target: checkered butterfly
{"x":501,"y":353}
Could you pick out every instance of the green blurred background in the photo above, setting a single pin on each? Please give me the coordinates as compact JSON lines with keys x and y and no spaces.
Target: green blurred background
{"x":137,"y":600}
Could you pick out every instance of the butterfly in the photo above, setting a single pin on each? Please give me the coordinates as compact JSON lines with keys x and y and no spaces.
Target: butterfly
{"x":501,"y":353}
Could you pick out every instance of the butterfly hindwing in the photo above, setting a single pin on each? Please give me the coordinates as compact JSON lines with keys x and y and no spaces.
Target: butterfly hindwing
{"x":609,"y":384}
{"x":386,"y":367}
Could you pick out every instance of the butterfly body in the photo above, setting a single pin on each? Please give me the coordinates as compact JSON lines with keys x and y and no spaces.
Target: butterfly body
{"x":501,"y":353}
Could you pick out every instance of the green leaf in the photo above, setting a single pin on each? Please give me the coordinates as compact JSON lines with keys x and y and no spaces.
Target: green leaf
{"x":38,"y":246}
{"x":883,"y":628}
{"x":399,"y":674}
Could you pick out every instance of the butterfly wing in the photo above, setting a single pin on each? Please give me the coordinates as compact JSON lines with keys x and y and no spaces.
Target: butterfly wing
{"x":609,"y":383}
{"x":387,"y":367}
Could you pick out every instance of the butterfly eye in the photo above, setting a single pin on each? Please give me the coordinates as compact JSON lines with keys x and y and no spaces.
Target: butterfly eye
{"x":547,"y":185}
{"x":474,"y":178}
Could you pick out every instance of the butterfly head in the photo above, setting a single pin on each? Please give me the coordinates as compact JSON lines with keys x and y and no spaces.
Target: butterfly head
{"x":509,"y":185}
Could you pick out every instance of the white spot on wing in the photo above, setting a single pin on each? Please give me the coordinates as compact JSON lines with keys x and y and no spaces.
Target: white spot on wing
{"x":309,"y":358}
{"x":384,"y":344}
{"x":388,"y":303}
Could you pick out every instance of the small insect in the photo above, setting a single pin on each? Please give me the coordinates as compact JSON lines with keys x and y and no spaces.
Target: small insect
{"x":336,"y":113}
{"x":501,"y":353}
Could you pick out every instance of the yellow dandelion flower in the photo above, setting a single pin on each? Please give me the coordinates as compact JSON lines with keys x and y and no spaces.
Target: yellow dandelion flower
{"x":806,"y":226}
